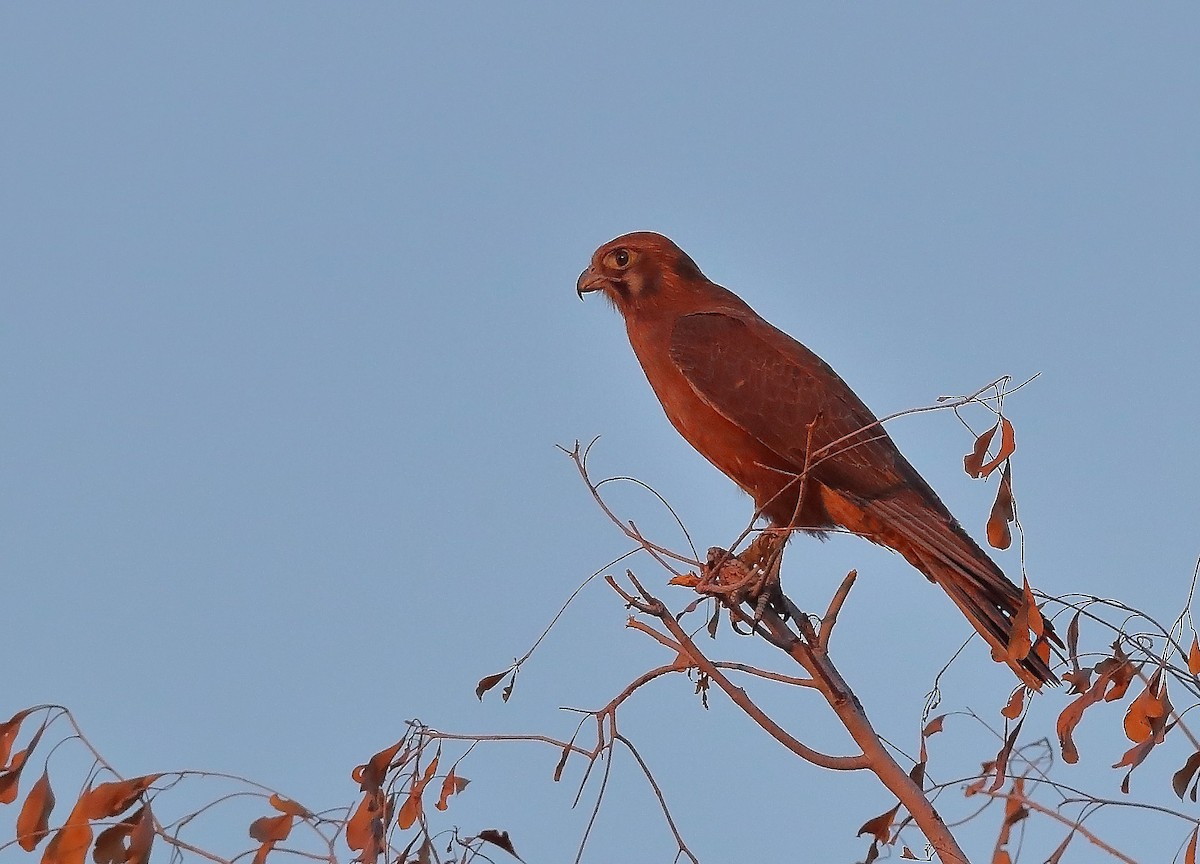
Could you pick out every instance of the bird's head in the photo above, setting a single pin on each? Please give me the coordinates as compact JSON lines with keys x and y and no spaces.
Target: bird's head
{"x":639,"y":272}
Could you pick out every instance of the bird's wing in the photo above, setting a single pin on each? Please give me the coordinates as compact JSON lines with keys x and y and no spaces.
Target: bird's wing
{"x":784,"y":395}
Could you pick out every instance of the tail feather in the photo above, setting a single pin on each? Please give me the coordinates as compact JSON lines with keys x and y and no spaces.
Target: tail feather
{"x":939,"y":548}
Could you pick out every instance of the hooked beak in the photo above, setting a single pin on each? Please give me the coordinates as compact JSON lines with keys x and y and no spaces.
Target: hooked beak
{"x":589,"y":281}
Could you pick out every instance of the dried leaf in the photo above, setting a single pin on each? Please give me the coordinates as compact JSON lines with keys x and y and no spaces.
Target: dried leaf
{"x":1146,"y":710}
{"x":908,"y":854}
{"x":1008,"y":446}
{"x":358,"y":829}
{"x":499,"y":838}
{"x":973,"y":461}
{"x":113,"y":799}
{"x":487,"y":682}
{"x":880,"y":826}
{"x":1194,"y":657}
{"x":10,"y":779}
{"x":1073,"y":640}
{"x":562,"y":762}
{"x":272,"y":829}
{"x":1073,"y":713}
{"x":126,"y":842}
{"x":452,"y":785}
{"x":1181,"y":778}
{"x":410,"y":811}
{"x":8,"y":734}
{"x":1061,"y":849}
{"x":288,"y":806}
{"x":371,"y":775}
{"x":34,"y":820}
{"x":70,"y":843}
{"x":998,"y":533}
{"x":1189,"y":856}
{"x":934,"y":726}
{"x":142,"y":838}
{"x":687,"y":580}
{"x":1001,"y":763}
{"x":1016,"y":704}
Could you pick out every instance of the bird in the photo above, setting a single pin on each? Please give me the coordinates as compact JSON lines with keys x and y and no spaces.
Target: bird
{"x":780,"y":423}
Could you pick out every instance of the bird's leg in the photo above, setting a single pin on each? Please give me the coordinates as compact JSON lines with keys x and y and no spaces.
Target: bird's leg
{"x":763,"y":558}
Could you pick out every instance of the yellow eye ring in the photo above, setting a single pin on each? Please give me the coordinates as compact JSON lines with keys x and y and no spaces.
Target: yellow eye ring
{"x":620,"y":258}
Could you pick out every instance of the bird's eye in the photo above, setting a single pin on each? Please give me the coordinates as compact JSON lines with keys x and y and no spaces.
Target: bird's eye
{"x":620,"y":258}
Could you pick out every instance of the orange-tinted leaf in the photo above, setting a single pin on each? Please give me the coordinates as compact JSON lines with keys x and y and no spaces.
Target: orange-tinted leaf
{"x":1056,"y":855}
{"x":1002,"y":757}
{"x":487,"y":682}
{"x":687,"y":580}
{"x":1008,"y":446}
{"x":260,"y":857}
{"x":271,"y":829}
{"x":1145,"y":710}
{"x":1189,"y":856}
{"x":1073,"y":713}
{"x":10,"y":779}
{"x":452,"y":785}
{"x":371,"y":775}
{"x":934,"y":726}
{"x":1036,"y":625}
{"x":34,"y":820}
{"x":142,"y":837}
{"x":1181,"y":778}
{"x":879,"y":827}
{"x":1016,"y":704}
{"x":499,"y":838}
{"x":1001,"y":857}
{"x":359,"y":829}
{"x":410,"y":811}
{"x":70,"y":843}
{"x":113,"y":799}
{"x":976,"y":786}
{"x":998,"y":533}
{"x":288,"y":806}
{"x":973,"y":461}
{"x":1194,"y":657}
{"x":111,"y":844}
{"x":8,"y":734}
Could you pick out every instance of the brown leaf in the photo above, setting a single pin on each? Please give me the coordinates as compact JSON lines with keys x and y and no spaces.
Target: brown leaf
{"x":1073,"y":639}
{"x":1002,"y":756}
{"x":1181,"y":778}
{"x":1194,"y":657}
{"x":452,"y":785}
{"x":880,"y":827}
{"x":272,"y":829}
{"x":934,"y":726}
{"x":1060,"y":850}
{"x":1189,"y":856}
{"x":1073,"y":713}
{"x":998,"y":533}
{"x":359,"y":830}
{"x":499,"y":838}
{"x":908,"y":854}
{"x":1146,"y":710}
{"x":34,"y":819}
{"x":1016,"y":704}
{"x":8,"y":734}
{"x":1008,"y":446}
{"x":371,"y":775}
{"x":288,"y":806}
{"x":70,"y":843}
{"x":10,"y":779}
{"x":141,"y":839}
{"x":126,"y":841}
{"x":973,"y":461}
{"x":113,"y":799}
{"x":562,"y":762}
{"x":410,"y":811}
{"x":487,"y":682}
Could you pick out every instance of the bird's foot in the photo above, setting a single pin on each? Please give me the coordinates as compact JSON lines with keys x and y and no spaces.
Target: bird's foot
{"x":751,"y":577}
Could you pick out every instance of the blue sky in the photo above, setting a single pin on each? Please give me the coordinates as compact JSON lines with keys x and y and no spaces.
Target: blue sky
{"x":290,"y":336}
